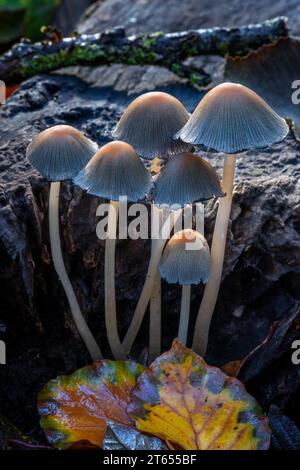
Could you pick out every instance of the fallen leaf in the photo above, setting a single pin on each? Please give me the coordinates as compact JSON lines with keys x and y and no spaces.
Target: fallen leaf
{"x":121,"y":438}
{"x":182,"y":400}
{"x":76,"y":407}
{"x":270,"y":71}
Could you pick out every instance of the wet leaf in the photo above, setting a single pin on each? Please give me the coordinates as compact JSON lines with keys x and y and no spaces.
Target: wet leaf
{"x":270,"y":71}
{"x":182,"y":400}
{"x":121,"y":438}
{"x":76,"y":407}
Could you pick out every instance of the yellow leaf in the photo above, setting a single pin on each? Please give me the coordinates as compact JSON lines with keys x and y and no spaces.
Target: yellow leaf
{"x":182,"y":400}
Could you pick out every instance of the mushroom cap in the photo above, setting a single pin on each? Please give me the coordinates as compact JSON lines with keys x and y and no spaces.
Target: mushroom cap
{"x":114,"y":171}
{"x":60,"y":152}
{"x":186,"y":259}
{"x":232,"y":118}
{"x":185,"y":179}
{"x":149,"y":124}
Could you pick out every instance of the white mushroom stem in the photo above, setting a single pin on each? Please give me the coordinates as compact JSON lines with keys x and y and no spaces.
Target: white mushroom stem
{"x":59,"y":266}
{"x":155,"y":302}
{"x":150,"y":279}
{"x":217,"y":258}
{"x":184,"y":314}
{"x":109,"y":283}
{"x":186,"y":290}
{"x":155,"y":317}
{"x":200,"y":215}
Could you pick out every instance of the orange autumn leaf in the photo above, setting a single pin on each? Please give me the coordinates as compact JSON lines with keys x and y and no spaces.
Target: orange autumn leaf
{"x":182,"y":400}
{"x":77,"y":407}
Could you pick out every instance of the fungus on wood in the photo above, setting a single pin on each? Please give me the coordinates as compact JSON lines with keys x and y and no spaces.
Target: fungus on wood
{"x":187,"y":178}
{"x":186,"y":261}
{"x":149,"y":124}
{"x":114,"y":171}
{"x":231,"y":118}
{"x":59,"y":153}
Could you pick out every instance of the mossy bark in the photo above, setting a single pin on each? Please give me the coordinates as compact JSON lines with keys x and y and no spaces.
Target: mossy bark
{"x":26,"y":59}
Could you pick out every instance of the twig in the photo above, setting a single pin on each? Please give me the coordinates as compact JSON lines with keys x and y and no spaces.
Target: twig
{"x":26,"y":59}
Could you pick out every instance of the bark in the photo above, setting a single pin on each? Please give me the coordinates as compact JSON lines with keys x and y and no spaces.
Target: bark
{"x":26,"y":59}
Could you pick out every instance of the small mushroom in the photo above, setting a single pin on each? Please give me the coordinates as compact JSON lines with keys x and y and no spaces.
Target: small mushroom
{"x":149,"y":124}
{"x":186,"y":261}
{"x":231,"y":118}
{"x":185,"y":179}
{"x":114,"y":171}
{"x":59,"y":153}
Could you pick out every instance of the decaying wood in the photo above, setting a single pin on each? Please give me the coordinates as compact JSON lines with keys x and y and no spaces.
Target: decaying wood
{"x":26,"y":59}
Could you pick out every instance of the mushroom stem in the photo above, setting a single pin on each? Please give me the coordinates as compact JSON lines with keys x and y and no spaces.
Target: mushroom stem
{"x":59,"y":266}
{"x":109,"y":281}
{"x":217,"y":257}
{"x":155,"y":316}
{"x":200,"y":215}
{"x":186,"y":290}
{"x":184,"y":314}
{"x":155,"y":302}
{"x":150,"y":279}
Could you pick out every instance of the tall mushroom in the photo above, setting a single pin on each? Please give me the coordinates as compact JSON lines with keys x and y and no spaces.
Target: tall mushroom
{"x":113,"y":172}
{"x":186,"y":261}
{"x":231,"y":118}
{"x":149,"y":124}
{"x":59,"y":153}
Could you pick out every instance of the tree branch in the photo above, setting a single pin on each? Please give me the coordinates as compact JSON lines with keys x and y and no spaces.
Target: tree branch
{"x":26,"y":59}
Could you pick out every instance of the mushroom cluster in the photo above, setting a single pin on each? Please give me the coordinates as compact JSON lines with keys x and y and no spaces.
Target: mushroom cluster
{"x":229,"y":119}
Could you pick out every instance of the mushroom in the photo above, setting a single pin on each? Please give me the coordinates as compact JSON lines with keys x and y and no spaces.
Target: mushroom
{"x":149,"y":124}
{"x":114,"y":171}
{"x":59,"y":153}
{"x":186,"y":261}
{"x":231,"y":118}
{"x":185,"y":179}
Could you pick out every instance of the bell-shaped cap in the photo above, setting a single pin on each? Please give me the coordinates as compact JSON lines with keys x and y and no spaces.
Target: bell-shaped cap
{"x":149,"y":124}
{"x":185,"y":179}
{"x":186,"y":259}
{"x":60,"y":152}
{"x":115,"y":171}
{"x":232,"y":118}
